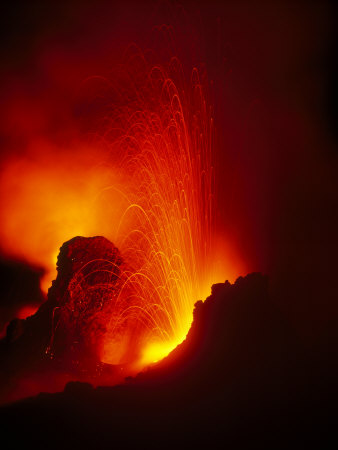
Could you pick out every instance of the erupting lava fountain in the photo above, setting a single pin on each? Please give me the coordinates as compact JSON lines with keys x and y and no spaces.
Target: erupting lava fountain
{"x":146,"y":182}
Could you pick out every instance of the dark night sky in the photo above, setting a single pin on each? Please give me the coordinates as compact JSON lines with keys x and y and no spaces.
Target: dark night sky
{"x":274,"y":91}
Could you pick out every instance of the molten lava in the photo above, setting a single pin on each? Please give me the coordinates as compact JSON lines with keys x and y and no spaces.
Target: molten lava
{"x":146,"y":182}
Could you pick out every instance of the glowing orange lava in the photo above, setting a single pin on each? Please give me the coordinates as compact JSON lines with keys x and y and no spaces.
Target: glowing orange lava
{"x":147,"y":184}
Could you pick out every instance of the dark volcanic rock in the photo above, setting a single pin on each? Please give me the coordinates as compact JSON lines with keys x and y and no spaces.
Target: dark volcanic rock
{"x":88,"y":275}
{"x":66,"y":330}
{"x":241,"y":379}
{"x":91,"y":257}
{"x":15,"y":330}
{"x":238,"y":339}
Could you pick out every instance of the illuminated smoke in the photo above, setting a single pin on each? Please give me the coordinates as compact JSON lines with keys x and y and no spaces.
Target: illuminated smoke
{"x":146,"y":182}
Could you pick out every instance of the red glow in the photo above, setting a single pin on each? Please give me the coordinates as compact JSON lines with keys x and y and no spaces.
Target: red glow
{"x":26,"y":311}
{"x":146,"y":182}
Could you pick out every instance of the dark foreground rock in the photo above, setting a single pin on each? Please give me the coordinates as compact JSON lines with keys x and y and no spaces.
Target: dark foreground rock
{"x":241,"y":379}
